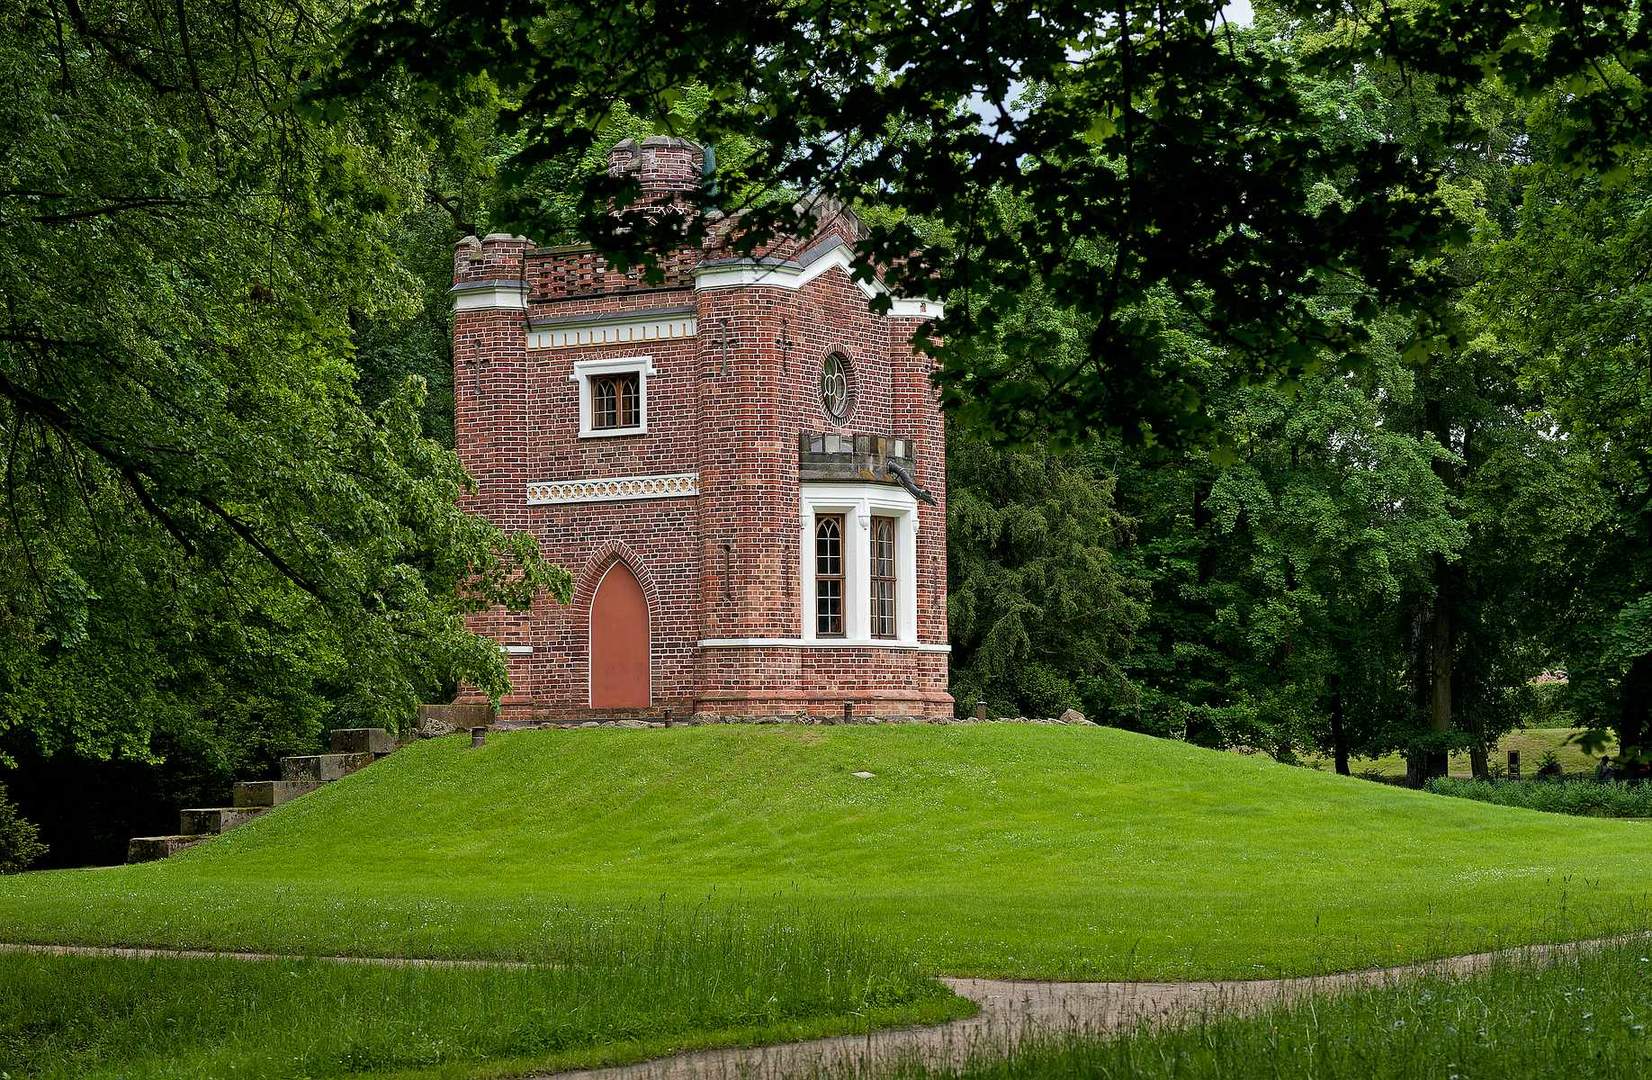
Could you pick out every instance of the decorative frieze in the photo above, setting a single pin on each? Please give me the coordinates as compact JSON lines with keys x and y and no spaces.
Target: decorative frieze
{"x":614,"y":489}
{"x":608,"y":330}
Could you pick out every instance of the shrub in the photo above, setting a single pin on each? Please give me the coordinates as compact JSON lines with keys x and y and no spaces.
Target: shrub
{"x":19,"y":838}
{"x":1583,"y":797}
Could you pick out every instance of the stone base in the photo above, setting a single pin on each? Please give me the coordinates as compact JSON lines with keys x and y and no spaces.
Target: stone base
{"x":747,"y":706}
{"x":907,"y":703}
{"x":699,"y":719}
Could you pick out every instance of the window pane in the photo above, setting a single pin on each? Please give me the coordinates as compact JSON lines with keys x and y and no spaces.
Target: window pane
{"x":883,"y":577}
{"x":834,"y":387}
{"x":603,"y":406}
{"x":829,"y":575}
{"x":829,"y":609}
{"x":616,"y":401}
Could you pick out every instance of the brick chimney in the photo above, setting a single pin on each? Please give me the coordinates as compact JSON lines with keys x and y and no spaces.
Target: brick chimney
{"x":664,"y":167}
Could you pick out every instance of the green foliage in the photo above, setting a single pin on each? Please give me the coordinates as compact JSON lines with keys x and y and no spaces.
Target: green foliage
{"x":639,"y":988}
{"x":1583,"y":1015}
{"x":20,"y":844}
{"x":1093,"y":839}
{"x":1040,"y":612}
{"x":1567,"y":295}
{"x":1588,"y":797}
{"x":1147,"y":151}
{"x":1548,"y":705}
{"x":213,"y":546}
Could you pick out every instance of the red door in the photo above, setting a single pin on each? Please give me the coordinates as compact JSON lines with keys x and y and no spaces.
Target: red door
{"x":619,"y":642}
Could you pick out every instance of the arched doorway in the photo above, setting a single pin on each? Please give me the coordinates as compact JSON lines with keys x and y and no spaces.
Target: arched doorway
{"x":619,"y":642}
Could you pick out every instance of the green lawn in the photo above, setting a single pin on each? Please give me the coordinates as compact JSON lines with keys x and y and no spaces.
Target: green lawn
{"x":1531,"y":742}
{"x":992,"y":850}
{"x":75,"y":1018}
{"x":1588,"y":1017}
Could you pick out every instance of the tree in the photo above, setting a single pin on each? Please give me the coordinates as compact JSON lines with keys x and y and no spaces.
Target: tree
{"x":211,"y":546}
{"x":1570,"y":296}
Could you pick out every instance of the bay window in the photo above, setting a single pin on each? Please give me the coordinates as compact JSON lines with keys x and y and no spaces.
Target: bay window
{"x":858,"y":564}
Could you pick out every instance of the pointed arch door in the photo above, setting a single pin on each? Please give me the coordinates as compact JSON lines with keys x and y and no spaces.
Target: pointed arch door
{"x":619,"y":642}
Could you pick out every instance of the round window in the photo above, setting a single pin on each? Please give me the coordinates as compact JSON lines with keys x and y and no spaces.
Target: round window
{"x":834,"y":387}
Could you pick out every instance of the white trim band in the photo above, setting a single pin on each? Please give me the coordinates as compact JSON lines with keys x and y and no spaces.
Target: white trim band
{"x":574,"y":335}
{"x":820,"y":643}
{"x":614,"y":489}
{"x":793,"y":276}
{"x":491,"y":296}
{"x":516,"y":650}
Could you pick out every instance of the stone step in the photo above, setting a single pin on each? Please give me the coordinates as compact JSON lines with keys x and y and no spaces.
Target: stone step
{"x":149,"y":848}
{"x":323,"y":767}
{"x":214,"y":820}
{"x":267,"y":793}
{"x":460,"y":716}
{"x":361,"y":740}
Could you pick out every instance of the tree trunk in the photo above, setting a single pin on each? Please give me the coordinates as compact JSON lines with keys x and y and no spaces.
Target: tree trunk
{"x":1477,"y":760}
{"x":1339,"y":733}
{"x":1440,"y":631}
{"x":1441,"y":654}
{"x":1196,"y":730}
{"x":1635,"y":717}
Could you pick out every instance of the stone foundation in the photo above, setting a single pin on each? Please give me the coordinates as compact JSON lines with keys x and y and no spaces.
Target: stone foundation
{"x":1070,"y":719}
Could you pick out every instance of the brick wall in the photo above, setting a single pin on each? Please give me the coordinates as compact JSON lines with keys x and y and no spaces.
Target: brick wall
{"x":727,"y":404}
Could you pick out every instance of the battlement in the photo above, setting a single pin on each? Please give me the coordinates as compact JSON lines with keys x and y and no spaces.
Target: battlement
{"x":576,"y":272}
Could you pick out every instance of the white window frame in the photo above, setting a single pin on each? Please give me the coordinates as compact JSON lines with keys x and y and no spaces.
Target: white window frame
{"x":585,"y":370}
{"x":858,"y":503}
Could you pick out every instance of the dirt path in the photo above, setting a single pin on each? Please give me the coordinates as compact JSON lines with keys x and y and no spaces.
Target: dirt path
{"x":1012,"y":1010}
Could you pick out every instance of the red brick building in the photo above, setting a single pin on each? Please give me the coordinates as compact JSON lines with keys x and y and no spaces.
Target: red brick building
{"x":736,"y":464}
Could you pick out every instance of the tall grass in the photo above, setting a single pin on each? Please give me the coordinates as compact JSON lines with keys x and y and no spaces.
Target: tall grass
{"x":618,"y":994}
{"x":1586,"y":1017}
{"x":1583,"y":797}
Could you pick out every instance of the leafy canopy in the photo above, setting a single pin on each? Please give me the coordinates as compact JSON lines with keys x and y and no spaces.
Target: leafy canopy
{"x":205,"y":533}
{"x":1147,"y":136}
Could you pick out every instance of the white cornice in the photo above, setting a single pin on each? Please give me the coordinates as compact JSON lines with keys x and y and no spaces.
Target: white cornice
{"x":614,"y":489}
{"x":789,"y":275}
{"x":821,"y":643}
{"x":490,"y":295}
{"x":916,"y":309}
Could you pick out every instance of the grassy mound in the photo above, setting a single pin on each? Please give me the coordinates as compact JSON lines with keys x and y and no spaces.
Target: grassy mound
{"x":990,"y":850}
